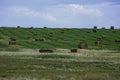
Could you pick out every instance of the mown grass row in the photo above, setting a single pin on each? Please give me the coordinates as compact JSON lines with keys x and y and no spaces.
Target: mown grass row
{"x":69,"y":39}
{"x":53,"y":67}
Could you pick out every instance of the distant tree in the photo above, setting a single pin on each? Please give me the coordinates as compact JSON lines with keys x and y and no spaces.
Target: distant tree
{"x":95,"y":27}
{"x":111,"y":27}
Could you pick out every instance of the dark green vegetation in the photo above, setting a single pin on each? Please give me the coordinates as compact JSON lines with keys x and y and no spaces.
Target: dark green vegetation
{"x":57,"y":38}
{"x":60,"y":67}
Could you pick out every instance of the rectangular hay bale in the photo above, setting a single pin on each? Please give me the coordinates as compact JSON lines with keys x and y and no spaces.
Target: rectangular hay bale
{"x":74,"y":50}
{"x":46,"y":51}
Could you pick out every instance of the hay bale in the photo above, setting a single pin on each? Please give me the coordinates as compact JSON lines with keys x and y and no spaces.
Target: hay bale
{"x":12,"y":39}
{"x":36,"y":39}
{"x":74,"y":50}
{"x":18,"y":26}
{"x":39,"y":39}
{"x":95,"y":27}
{"x":44,"y":27}
{"x":117,"y":41}
{"x":12,"y":42}
{"x":83,"y":45}
{"x":112,"y":27}
{"x":100,"y":39}
{"x":97,"y":42}
{"x":46,"y":51}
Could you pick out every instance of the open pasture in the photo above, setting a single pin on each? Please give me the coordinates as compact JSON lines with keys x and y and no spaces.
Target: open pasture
{"x":12,"y":39}
{"x":29,"y":64}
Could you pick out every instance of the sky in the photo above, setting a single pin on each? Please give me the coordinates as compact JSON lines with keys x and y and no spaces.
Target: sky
{"x":60,"y":13}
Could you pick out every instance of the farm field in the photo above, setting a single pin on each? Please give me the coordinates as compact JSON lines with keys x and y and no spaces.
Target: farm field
{"x":21,"y":59}
{"x":29,"y":64}
{"x":59,"y":39}
{"x":37,"y":38}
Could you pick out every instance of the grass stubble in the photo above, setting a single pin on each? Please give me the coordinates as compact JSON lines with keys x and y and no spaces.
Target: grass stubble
{"x":85,"y":65}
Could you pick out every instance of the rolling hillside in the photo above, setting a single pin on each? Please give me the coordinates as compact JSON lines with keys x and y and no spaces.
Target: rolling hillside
{"x":57,"y":38}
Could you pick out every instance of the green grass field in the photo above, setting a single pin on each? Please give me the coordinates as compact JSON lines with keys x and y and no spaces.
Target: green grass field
{"x":69,"y":39}
{"x":86,"y":65}
{"x":23,"y":61}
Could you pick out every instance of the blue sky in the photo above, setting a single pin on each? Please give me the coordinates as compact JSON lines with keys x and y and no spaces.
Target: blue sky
{"x":60,"y":13}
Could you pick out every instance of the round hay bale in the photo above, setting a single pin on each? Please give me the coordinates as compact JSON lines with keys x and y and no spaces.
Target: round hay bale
{"x":12,"y":42}
{"x":83,"y":45}
{"x":112,"y":27}
{"x":95,"y":27}
{"x":44,"y":27}
{"x":18,"y":26}
{"x":12,"y":39}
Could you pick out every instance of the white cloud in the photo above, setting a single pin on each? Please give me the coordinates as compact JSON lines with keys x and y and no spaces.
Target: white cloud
{"x":57,"y":13}
{"x":82,"y":9}
{"x":32,"y":13}
{"x":86,"y":11}
{"x":101,"y":14}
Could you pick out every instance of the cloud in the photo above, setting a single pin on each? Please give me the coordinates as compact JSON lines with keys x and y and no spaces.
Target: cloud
{"x":57,"y":13}
{"x":64,"y":14}
{"x":32,"y":13}
{"x":82,"y":9}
